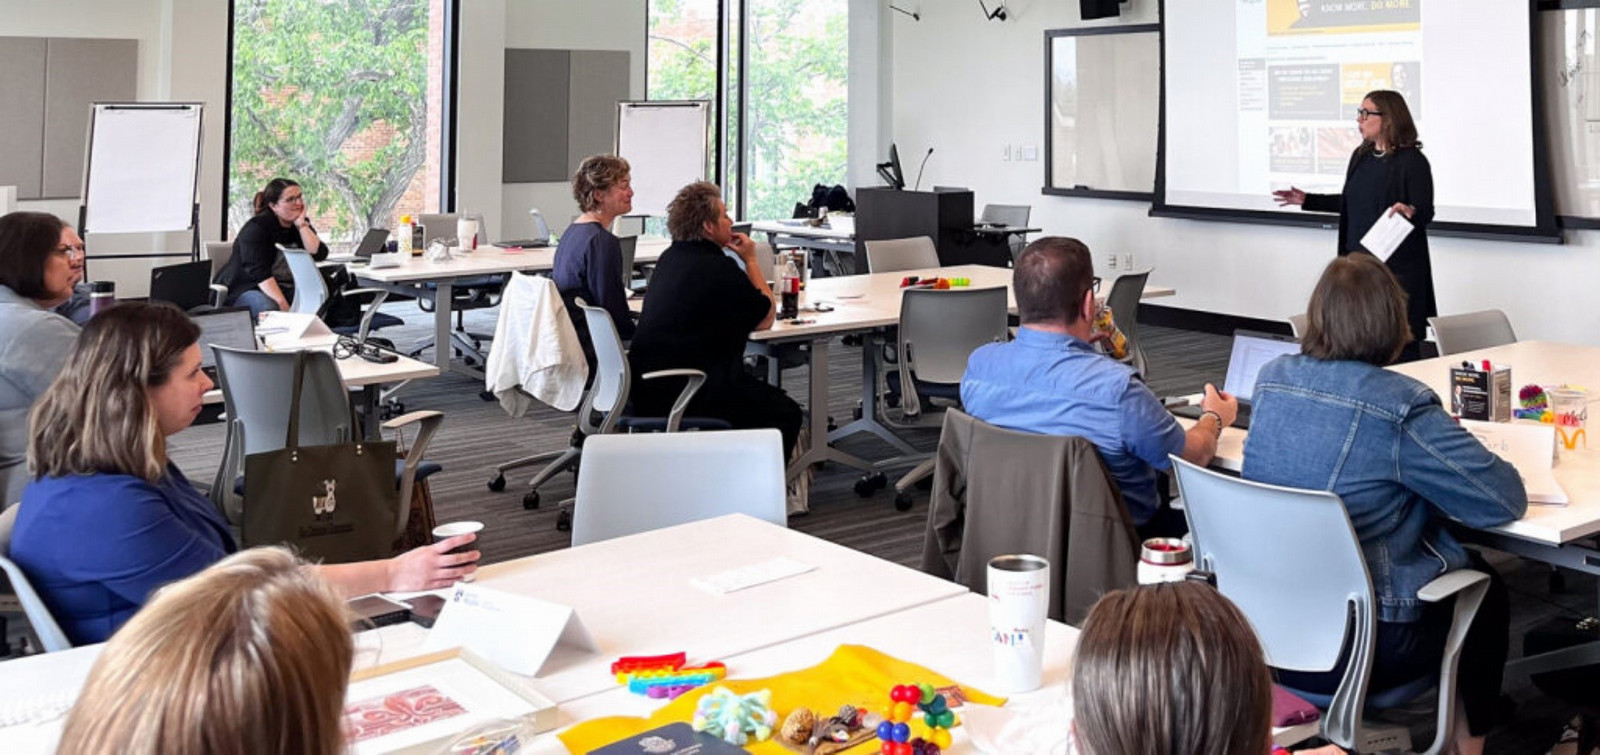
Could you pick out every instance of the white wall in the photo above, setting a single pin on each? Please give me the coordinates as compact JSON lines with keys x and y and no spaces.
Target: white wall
{"x":967,"y":87}
{"x":488,"y":27}
{"x":182,"y":56}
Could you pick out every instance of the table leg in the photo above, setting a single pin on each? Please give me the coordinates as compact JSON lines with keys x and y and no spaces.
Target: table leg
{"x":371,"y":416}
{"x":869,"y":405}
{"x":817,"y":419}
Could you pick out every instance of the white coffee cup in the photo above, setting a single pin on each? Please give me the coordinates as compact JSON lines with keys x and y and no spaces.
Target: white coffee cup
{"x":1019,"y":598}
{"x":467,"y":233}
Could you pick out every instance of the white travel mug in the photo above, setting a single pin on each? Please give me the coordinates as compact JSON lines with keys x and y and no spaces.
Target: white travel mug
{"x":1019,"y":598}
{"x":467,"y":233}
{"x":1164,"y":559}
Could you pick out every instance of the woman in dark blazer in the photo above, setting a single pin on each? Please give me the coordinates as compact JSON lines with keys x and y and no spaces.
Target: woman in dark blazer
{"x":1388,"y":173}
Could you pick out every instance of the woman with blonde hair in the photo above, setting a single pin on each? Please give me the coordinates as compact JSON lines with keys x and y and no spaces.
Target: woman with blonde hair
{"x":253,"y":654}
{"x":108,"y":518}
{"x":588,"y":261}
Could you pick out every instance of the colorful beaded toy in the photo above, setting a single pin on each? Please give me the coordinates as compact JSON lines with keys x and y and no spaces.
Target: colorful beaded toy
{"x":933,"y":733}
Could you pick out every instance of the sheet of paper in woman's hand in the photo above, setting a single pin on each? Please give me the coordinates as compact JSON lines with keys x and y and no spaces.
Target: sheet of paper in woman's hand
{"x":1386,"y":235}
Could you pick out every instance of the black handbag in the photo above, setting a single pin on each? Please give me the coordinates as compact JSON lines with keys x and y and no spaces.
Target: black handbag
{"x":335,"y":503}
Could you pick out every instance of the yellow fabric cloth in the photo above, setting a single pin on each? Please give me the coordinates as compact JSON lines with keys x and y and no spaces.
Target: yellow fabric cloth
{"x":854,"y":674}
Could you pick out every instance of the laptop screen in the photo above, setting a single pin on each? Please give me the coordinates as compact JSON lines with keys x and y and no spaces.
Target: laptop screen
{"x":1251,"y":351}
{"x":232,"y":328}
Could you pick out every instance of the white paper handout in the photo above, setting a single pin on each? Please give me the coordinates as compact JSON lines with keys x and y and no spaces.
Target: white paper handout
{"x":750,"y":575}
{"x":517,"y":632}
{"x":1530,"y":447}
{"x":1386,"y":235}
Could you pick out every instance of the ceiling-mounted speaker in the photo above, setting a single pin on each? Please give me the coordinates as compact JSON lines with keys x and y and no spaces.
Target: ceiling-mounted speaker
{"x":1098,"y":8}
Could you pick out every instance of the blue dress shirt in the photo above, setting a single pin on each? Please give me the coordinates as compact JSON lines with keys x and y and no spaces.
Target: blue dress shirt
{"x":1055,"y":384}
{"x":96,"y":546}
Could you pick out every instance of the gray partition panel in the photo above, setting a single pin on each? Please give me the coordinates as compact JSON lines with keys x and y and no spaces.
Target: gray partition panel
{"x":535,"y":137}
{"x":22,"y":114}
{"x":599,"y":82}
{"x":78,"y":73}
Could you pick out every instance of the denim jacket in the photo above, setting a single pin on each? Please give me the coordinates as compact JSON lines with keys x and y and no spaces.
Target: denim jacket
{"x":1383,"y":443}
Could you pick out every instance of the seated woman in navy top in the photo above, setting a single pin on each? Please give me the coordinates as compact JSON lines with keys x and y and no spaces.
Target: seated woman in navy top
{"x":108,"y":518}
{"x":588,"y":261}
{"x":1332,"y":418}
{"x":280,"y":218}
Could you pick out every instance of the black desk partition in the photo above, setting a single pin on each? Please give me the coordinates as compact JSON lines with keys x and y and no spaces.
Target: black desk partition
{"x":944,"y":216}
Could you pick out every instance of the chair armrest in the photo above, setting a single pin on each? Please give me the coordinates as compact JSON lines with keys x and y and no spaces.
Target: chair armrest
{"x":411,"y":417}
{"x":430,"y":421}
{"x":378,"y":295}
{"x":1450,"y":584}
{"x":696,"y":379}
{"x":219,"y":294}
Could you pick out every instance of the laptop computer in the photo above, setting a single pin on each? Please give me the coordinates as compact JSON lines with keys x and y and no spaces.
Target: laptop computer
{"x":187,"y":285}
{"x":541,"y":234}
{"x":1251,"y":352}
{"x":231,"y":328}
{"x":372,"y":243}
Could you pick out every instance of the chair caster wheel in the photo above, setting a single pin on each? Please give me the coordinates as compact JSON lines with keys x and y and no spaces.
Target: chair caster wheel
{"x":469,"y":361}
{"x":832,"y":425}
{"x":391,"y":410}
{"x":498,"y":483}
{"x":869,"y":484}
{"x":902,"y":501}
{"x":486,"y":395}
{"x":530,"y":500}
{"x":855,"y":413}
{"x":564,"y":521}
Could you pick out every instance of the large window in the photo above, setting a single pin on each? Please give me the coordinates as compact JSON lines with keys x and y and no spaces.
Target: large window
{"x":783,"y":67}
{"x":345,"y":97}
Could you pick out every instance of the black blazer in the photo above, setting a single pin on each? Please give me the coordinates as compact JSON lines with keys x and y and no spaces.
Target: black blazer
{"x":1410,"y":180}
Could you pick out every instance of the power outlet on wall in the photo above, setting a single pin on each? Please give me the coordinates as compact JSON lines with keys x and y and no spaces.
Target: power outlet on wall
{"x":1030,"y":152}
{"x":1111,"y":261}
{"x":1127,"y":261}
{"x":1006,"y":156}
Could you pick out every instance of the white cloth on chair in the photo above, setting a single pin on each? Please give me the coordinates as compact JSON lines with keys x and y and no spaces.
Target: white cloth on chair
{"x":535,"y":353}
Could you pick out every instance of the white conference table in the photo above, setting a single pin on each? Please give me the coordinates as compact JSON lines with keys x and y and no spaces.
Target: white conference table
{"x":862,"y":303}
{"x":414,"y":274}
{"x":356,"y":372}
{"x":1555,"y":535}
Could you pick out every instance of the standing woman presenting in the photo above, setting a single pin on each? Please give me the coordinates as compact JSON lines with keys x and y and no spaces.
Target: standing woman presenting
{"x":1388,"y":173}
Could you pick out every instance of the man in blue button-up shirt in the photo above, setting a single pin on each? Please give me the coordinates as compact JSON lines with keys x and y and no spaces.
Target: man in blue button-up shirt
{"x":1051,"y":380}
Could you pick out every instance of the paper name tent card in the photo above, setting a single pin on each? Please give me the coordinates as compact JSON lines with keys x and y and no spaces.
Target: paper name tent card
{"x":285,"y":328}
{"x":517,"y":632}
{"x":419,"y":704}
{"x":1386,"y":235}
{"x":1531,"y":448}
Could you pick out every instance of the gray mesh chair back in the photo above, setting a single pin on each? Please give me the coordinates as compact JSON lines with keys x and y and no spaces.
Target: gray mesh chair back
{"x":310,"y":290}
{"x":940,"y":329}
{"x":692,"y":476}
{"x":630,"y":247}
{"x":219,"y":252}
{"x":893,"y":255}
{"x":1291,"y":561}
{"x":257,"y":388}
{"x":44,"y":625}
{"x":437,"y":226}
{"x":1124,"y":303}
{"x":1473,"y":330}
{"x":612,"y":377}
{"x":768,"y":260}
{"x":1006,"y":214}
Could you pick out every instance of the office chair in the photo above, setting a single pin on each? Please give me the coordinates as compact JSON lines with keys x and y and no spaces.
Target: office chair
{"x":479,"y":292}
{"x":1290,"y":560}
{"x":1472,"y":331}
{"x":1124,"y":303}
{"x":311,"y":296}
{"x":219,"y":252}
{"x":892,"y":255}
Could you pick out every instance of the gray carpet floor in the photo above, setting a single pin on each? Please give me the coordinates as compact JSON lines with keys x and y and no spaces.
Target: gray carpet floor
{"x":477,"y":435}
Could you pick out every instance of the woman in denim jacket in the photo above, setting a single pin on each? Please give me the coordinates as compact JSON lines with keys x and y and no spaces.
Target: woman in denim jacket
{"x":1332,"y":418}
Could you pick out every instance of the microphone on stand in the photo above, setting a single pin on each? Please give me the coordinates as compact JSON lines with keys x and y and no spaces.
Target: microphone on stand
{"x":920,"y":167}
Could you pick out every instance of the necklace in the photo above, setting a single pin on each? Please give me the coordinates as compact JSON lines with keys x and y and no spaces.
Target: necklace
{"x":1379,"y":152}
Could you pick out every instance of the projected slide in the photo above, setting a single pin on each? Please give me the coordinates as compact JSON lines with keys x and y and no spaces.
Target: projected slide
{"x":1262,"y":95}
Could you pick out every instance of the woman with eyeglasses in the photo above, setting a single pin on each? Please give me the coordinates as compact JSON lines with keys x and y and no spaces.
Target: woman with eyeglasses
{"x":1387,"y":174}
{"x":41,"y":259}
{"x":280,"y":218}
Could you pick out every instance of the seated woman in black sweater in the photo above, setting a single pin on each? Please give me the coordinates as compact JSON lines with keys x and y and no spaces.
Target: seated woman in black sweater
{"x":588,"y":262}
{"x":280,"y":219}
{"x":700,"y":311}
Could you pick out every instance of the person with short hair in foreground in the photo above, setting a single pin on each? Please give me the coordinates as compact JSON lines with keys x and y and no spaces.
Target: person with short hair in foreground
{"x":108,"y":518}
{"x":252,"y":654}
{"x":1171,"y":669}
{"x":700,"y":312}
{"x":41,"y":259}
{"x":1052,"y":381}
{"x":1332,"y":418}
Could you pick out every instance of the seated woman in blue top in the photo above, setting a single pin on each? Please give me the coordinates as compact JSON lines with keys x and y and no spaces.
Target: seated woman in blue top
{"x":1332,"y":418}
{"x":588,"y":261}
{"x":280,"y":218}
{"x":108,"y":518}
